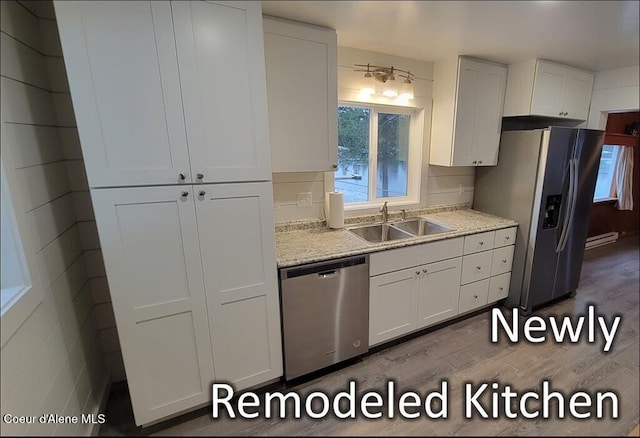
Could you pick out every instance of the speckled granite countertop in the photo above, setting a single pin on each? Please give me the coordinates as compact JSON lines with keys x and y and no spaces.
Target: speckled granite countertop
{"x":320,"y":243}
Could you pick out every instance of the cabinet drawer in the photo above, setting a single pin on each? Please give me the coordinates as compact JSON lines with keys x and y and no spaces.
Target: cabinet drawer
{"x":476,"y":267}
{"x":505,"y":237}
{"x":473,"y":295}
{"x":441,"y":250}
{"x":502,"y":258}
{"x":499,"y":287}
{"x":479,"y":242}
{"x":394,"y":260}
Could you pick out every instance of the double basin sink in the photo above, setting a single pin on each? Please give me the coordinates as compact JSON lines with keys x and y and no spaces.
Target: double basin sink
{"x":384,"y":232}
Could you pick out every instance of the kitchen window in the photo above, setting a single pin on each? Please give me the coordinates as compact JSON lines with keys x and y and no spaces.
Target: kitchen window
{"x":378,"y":155}
{"x":14,"y":276}
{"x":605,"y":187}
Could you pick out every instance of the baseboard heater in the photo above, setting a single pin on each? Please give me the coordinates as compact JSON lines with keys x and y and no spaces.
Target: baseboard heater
{"x":601,"y":239}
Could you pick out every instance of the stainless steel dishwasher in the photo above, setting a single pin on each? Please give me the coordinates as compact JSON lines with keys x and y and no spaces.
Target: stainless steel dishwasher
{"x":325,"y":313}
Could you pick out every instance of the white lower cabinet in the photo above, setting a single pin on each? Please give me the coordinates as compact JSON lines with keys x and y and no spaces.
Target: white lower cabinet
{"x":419,"y":286}
{"x":237,"y":241}
{"x":439,"y":290}
{"x":192,"y":277}
{"x":476,"y":267}
{"x":473,"y":295}
{"x":392,"y":305}
{"x":499,"y":287}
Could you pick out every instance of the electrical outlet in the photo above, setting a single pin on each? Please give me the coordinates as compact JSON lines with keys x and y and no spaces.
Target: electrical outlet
{"x":304,"y":199}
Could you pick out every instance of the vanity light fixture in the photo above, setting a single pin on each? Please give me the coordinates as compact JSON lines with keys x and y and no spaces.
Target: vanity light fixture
{"x":386,"y":75}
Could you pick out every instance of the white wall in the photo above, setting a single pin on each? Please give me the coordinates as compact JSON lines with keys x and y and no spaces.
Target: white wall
{"x":439,"y":185}
{"x":52,"y":363}
{"x":614,"y":91}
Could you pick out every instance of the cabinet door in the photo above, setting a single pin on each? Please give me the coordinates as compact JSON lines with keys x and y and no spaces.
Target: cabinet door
{"x":478,"y":119}
{"x":577,"y":89}
{"x":439,"y":291}
{"x":488,"y":119}
{"x":473,"y":295}
{"x":392,"y":305}
{"x":465,"y":113}
{"x":123,"y":75}
{"x":237,"y":243}
{"x":152,"y":259}
{"x":547,"y":90}
{"x":221,"y":59}
{"x":302,"y":105}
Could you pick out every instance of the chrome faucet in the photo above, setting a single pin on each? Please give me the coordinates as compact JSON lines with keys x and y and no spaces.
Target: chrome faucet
{"x":403,"y":213}
{"x":385,"y":212}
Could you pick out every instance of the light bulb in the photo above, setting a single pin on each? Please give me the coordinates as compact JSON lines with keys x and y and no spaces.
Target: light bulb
{"x":369,"y":87}
{"x":390,"y":89}
{"x":406,"y":91}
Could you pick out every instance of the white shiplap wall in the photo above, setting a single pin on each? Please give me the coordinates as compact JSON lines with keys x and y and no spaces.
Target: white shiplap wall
{"x":53,"y":363}
{"x":439,"y":185}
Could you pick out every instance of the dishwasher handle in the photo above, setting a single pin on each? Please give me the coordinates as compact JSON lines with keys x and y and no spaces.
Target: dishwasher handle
{"x":329,"y":274}
{"x":323,"y":269}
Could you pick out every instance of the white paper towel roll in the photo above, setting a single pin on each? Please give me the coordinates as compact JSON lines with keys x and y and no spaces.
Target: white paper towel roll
{"x":335,"y":210}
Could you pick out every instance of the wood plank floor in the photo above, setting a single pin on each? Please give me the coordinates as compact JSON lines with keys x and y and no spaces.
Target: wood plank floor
{"x":460,"y":353}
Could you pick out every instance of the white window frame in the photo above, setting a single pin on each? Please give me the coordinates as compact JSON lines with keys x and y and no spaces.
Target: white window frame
{"x":414,"y":164}
{"x":613,"y":196}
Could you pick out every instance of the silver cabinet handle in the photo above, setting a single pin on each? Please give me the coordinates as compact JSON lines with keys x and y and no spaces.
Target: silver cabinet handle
{"x":478,"y":267}
{"x":199,"y":175}
{"x":475,"y":296}
{"x":480,"y":243}
{"x":566,"y":113}
{"x":480,"y":162}
{"x":201,"y":193}
{"x":334,"y":166}
{"x":184,"y":194}
{"x":504,"y":260}
{"x":425,"y":271}
{"x":507,"y":238}
{"x":417,"y":272}
{"x":560,"y":113}
{"x":474,"y":162}
{"x":181,"y":176}
{"x":501,"y":288}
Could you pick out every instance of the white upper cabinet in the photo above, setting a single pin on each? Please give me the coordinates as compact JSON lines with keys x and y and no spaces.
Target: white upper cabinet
{"x":467,"y":112}
{"x":167,"y":92}
{"x":301,"y":65}
{"x":221,"y":59}
{"x":123,"y":74}
{"x":543,"y":88}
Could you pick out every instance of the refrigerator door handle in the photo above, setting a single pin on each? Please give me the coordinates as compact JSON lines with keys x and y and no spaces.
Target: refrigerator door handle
{"x":571,"y":205}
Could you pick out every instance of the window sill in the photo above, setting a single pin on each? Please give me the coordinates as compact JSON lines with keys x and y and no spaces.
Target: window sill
{"x":604,"y":200}
{"x":377,"y":205}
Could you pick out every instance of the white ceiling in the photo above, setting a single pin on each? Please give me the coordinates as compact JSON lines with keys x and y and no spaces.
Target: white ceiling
{"x":595,"y":35}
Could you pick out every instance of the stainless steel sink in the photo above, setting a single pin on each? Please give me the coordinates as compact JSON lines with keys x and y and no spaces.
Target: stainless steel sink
{"x":379,"y":233}
{"x":420,"y":227}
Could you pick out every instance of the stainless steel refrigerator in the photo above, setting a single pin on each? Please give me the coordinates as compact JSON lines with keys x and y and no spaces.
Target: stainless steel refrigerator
{"x":545,"y":179}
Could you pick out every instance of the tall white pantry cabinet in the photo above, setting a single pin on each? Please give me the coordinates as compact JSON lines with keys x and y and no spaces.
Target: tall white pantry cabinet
{"x":170,"y":102}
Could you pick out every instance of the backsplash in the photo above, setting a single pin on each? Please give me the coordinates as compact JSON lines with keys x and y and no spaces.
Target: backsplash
{"x":444,"y":186}
{"x":303,"y":224}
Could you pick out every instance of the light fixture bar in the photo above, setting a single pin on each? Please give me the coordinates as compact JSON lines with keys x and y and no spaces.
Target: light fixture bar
{"x":387,"y":76}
